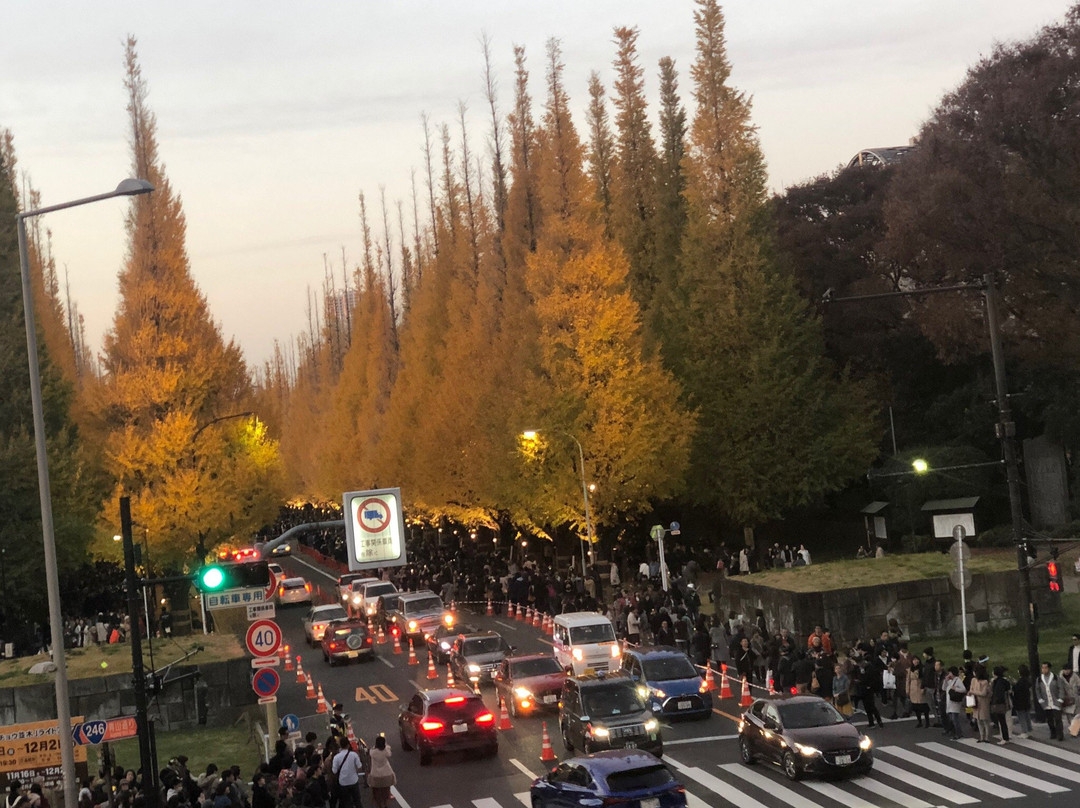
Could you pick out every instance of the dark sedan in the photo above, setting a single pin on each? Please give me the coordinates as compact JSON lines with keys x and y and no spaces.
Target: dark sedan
{"x":530,"y":683}
{"x":447,"y":720}
{"x":617,"y":777}
{"x":346,"y":640}
{"x":441,"y":640}
{"x":804,"y":735}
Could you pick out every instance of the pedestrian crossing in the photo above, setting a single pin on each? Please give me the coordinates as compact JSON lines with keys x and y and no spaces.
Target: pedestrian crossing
{"x":932,"y":774}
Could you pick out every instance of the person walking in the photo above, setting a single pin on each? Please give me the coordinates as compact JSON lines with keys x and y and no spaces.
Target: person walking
{"x":916,"y":695}
{"x":980,"y":689}
{"x":381,"y":777}
{"x":1021,"y":700}
{"x":841,"y":687}
{"x":347,"y":768}
{"x":955,"y":692}
{"x":999,"y":703}
{"x":1048,"y":691}
{"x":1069,"y":683}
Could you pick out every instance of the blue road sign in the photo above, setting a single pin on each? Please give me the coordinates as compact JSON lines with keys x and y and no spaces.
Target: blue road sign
{"x":265,"y":682}
{"x":291,"y":722}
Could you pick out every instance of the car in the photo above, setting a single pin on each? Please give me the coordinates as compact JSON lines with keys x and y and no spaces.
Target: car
{"x":447,"y":720}
{"x":669,"y":682}
{"x":615,"y":777}
{"x":529,"y":683}
{"x":476,"y":657}
{"x":276,"y":571}
{"x":281,"y":550}
{"x":584,"y":643}
{"x":416,"y":615}
{"x":364,"y":596}
{"x":605,"y":711}
{"x":346,"y":640}
{"x":293,"y":590}
{"x":345,"y":582}
{"x":804,"y":735}
{"x":441,"y":640}
{"x":316,"y":621}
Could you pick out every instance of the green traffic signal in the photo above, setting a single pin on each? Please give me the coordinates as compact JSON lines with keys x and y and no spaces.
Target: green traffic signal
{"x":211,"y":578}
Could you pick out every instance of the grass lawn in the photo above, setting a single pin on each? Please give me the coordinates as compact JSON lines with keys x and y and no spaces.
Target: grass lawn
{"x":101,"y":660}
{"x":223,"y":746}
{"x":875,"y":571}
{"x":1009,"y":646}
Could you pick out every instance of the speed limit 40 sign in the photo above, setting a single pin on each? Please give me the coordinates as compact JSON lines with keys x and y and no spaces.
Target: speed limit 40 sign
{"x":263,"y":638}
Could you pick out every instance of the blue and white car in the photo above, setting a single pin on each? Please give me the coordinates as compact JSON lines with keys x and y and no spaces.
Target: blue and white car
{"x":615,"y":777}
{"x":669,"y":682}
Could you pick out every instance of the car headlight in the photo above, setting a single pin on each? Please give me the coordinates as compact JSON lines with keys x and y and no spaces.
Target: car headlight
{"x":412,"y":625}
{"x":643,"y":691}
{"x":651,"y":725}
{"x":522,"y":692}
{"x":445,"y":646}
{"x":616,"y":651}
{"x":371,"y":610}
{"x":865,"y":743}
{"x":599,"y":732}
{"x":356,"y":600}
{"x":473,"y":668}
{"x":660,"y":694}
{"x":806,"y":751}
{"x":577,"y":654}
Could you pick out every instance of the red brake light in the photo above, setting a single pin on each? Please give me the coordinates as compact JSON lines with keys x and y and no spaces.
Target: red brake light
{"x":485,"y":718}
{"x":368,"y":640}
{"x":431,"y":726}
{"x":333,"y":646}
{"x":455,"y":700}
{"x":307,"y":587}
{"x":281,"y":590}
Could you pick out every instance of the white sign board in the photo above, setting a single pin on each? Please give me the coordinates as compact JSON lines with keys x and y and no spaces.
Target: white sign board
{"x":260,"y":610}
{"x":231,"y":598}
{"x":945,"y":522}
{"x":374,"y":529}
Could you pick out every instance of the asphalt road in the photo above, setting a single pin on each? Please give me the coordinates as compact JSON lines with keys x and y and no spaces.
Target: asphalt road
{"x":914,"y":768}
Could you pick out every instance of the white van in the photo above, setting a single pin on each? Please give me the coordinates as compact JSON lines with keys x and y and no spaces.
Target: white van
{"x":585,"y":643}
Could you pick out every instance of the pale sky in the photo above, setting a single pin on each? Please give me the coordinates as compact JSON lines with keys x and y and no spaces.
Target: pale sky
{"x":272,"y":116}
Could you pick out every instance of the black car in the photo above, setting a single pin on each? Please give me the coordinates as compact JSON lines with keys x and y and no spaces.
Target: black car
{"x":441,"y":641}
{"x":476,"y":657}
{"x":447,"y":720}
{"x":606,"y":711}
{"x":804,"y":735}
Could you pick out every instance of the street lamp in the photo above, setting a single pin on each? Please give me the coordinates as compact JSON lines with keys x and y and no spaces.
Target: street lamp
{"x":129,"y":187}
{"x":531,"y":435}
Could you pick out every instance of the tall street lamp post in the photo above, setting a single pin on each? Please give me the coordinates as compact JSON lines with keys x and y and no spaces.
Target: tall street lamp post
{"x":531,"y":434}
{"x":129,"y":187}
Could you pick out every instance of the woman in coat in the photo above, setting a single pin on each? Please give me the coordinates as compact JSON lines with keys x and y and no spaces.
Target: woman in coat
{"x":381,"y":776}
{"x":913,"y":688}
{"x":980,"y":689}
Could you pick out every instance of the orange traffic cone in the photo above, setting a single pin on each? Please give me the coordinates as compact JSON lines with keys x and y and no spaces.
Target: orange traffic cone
{"x":382,"y":636}
{"x":745,"y":701}
{"x":350,"y":735}
{"x":300,"y":678}
{"x":490,"y":608}
{"x":772,"y":686}
{"x":431,"y":672}
{"x":710,"y":683}
{"x":310,"y":688}
{"x":509,"y":610}
{"x":476,"y":687}
{"x":537,"y":621}
{"x":281,"y":652}
{"x":529,"y":615}
{"x":546,"y":752}
{"x":504,"y":717}
{"x":449,"y":676}
{"x":520,"y":613}
{"x":725,"y":684}
{"x":551,"y":626}
{"x":321,"y":707}
{"x":397,"y":642}
{"x":288,"y":659}
{"x":412,"y":654}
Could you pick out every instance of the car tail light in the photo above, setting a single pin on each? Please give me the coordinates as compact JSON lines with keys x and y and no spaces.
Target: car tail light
{"x":485,"y":718}
{"x":333,"y":646}
{"x":368,"y":640}
{"x":455,"y":700}
{"x":431,"y":726}
{"x":281,"y":590}
{"x":307,"y":587}
{"x":703,"y":687}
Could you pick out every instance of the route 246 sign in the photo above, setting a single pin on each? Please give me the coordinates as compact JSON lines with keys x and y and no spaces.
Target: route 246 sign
{"x":374,"y":529}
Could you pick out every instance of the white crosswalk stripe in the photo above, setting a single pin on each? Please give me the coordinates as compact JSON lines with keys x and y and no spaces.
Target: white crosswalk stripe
{"x":524,"y":798}
{"x":891,"y":793}
{"x":839,"y":796}
{"x":948,"y":772}
{"x":921,"y":783}
{"x":1032,"y":762}
{"x":1047,"y":749}
{"x":768,"y":785}
{"x":716,"y":785}
{"x":1019,"y":778}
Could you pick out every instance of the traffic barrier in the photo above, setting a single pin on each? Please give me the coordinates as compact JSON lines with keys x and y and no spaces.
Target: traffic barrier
{"x":300,"y":678}
{"x":490,"y":609}
{"x":546,"y":752}
{"x":504,"y":716}
{"x":321,"y":707}
{"x":431,"y":672}
{"x":725,"y":683}
{"x":710,"y":683}
{"x":288,"y":659}
{"x":746,"y":699}
{"x":412,"y":654}
{"x":397,"y":642}
{"x":449,"y":676}
{"x":310,"y":688}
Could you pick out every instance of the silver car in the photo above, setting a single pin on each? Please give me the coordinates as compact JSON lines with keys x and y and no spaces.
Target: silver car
{"x":316,"y":621}
{"x":293,"y":590}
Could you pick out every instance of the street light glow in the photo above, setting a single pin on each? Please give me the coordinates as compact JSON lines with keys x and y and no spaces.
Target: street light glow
{"x":920,"y":465}
{"x":529,"y":434}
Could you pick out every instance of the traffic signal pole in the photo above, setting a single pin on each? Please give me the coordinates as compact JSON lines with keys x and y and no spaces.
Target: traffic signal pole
{"x":142,"y":723}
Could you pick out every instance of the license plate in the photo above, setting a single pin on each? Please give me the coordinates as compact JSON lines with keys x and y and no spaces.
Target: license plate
{"x":550,"y":699}
{"x":684,"y":705}
{"x":461,"y":727}
{"x":650,"y":802}
{"x":590,"y":672}
{"x":631,"y":744}
{"x":843,"y":760}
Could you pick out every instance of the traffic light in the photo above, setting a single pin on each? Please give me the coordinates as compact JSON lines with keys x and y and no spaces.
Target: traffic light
{"x":1055,"y":575}
{"x":228,"y":575}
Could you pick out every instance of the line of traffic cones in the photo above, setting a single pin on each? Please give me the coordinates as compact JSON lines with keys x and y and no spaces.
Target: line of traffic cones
{"x":509,"y":610}
{"x":288,"y":659}
{"x":725,"y":683}
{"x":412,"y":654}
{"x":397,"y":642}
{"x":710,"y":683}
{"x":382,"y":636}
{"x":504,"y":716}
{"x":537,"y":622}
{"x":449,"y":676}
{"x":746,"y":700}
{"x":520,"y":614}
{"x":300,"y":676}
{"x":310,"y":689}
{"x":321,"y":707}
{"x":546,"y":752}
{"x":431,"y":672}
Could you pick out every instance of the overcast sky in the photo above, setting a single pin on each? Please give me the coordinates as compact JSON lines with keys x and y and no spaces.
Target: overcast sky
{"x":272,"y":116}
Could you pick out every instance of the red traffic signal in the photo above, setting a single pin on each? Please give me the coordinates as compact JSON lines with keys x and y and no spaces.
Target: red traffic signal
{"x":1055,"y":576}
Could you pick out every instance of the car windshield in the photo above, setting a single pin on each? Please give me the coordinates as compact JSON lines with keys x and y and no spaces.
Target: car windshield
{"x":596,"y":632}
{"x":345,"y":631}
{"x":374,"y":590}
{"x":335,"y":613}
{"x":535,"y":667}
{"x":431,"y":604}
{"x":802,"y":715}
{"x":345,"y":580}
{"x":294,"y":583}
{"x":606,"y":702}
{"x":672,"y":667}
{"x":482,"y":645}
{"x":638,"y":779}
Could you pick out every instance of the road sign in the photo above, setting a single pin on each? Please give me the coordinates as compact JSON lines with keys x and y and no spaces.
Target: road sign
{"x":374,"y":529}
{"x":267,"y":699}
{"x":954,"y":576}
{"x":266,"y":662}
{"x":656,"y":532}
{"x":263,"y":638}
{"x":291,"y":722}
{"x":230,"y":598}
{"x":958,"y":548}
{"x":675,"y":529}
{"x":259,"y":611}
{"x":265,"y":683}
{"x":114,"y":729}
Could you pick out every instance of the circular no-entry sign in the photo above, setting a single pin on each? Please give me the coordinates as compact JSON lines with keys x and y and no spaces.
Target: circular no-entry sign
{"x":373,"y":515}
{"x":263,"y":638}
{"x":265,"y":682}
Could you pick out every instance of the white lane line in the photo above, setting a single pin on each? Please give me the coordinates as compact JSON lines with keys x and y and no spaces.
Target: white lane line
{"x":314,"y":568}
{"x":385,"y":661}
{"x":889,"y":792}
{"x":1047,"y":749}
{"x":397,"y":796}
{"x":840,"y":796}
{"x":504,"y":625}
{"x":1029,"y":761}
{"x":921,"y":783}
{"x":525,"y":798}
{"x":523,"y":768}
{"x":705,"y":739}
{"x":767,"y":784}
{"x":984,"y":765}
{"x":486,"y":802}
{"x":949,"y":772}
{"x":715,"y":785}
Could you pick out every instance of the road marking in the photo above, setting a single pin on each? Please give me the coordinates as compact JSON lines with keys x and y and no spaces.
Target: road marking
{"x":714,"y":784}
{"x":504,"y":625}
{"x":889,"y":792}
{"x":1029,"y":761}
{"x":523,"y":769}
{"x":314,"y":569}
{"x":1047,"y":749}
{"x":706,"y":739}
{"x":840,"y":796}
{"x":768,"y":785}
{"x":1012,"y":775}
{"x":734,"y":718}
{"x":397,"y":796}
{"x":949,"y":772}
{"x":921,"y":783}
{"x":385,"y":661}
{"x":525,"y":798}
{"x":486,"y":802}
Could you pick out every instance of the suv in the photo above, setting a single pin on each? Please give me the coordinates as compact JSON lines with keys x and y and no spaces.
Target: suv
{"x":364,"y":598}
{"x":446,"y":720}
{"x":605,"y":711}
{"x":476,"y":657}
{"x":416,"y":615}
{"x":669,"y":682}
{"x":345,"y":582}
